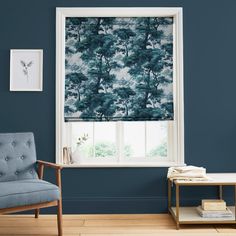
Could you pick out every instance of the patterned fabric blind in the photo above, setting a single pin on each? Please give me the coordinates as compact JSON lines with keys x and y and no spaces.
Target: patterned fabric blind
{"x":118,"y":69}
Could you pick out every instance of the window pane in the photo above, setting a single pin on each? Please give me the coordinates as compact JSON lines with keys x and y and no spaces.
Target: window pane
{"x":105,"y":139}
{"x":134,"y":139}
{"x":157,"y":138}
{"x":97,"y":141}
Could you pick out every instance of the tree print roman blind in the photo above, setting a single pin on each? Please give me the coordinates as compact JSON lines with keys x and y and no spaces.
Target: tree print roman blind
{"x":118,"y":69}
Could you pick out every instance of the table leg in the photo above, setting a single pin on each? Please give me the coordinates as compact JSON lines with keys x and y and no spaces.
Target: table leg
{"x":169,"y":194}
{"x":220,"y":192}
{"x":177,"y":206}
{"x":235,"y":202}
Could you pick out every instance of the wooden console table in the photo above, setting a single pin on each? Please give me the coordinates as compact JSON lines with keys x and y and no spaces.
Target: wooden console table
{"x":189,"y":215}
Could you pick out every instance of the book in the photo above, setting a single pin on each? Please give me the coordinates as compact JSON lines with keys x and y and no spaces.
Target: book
{"x":213,"y":205}
{"x":66,"y":155}
{"x":214,"y":214}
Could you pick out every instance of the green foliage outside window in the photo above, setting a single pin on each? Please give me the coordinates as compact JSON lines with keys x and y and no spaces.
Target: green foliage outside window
{"x":108,"y":149}
{"x":160,"y":151}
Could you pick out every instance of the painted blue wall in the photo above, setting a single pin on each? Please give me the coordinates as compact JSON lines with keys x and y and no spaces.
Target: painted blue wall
{"x":210,"y":113}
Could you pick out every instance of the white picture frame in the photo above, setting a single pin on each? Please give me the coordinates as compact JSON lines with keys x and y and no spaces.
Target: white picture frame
{"x":26,"y":70}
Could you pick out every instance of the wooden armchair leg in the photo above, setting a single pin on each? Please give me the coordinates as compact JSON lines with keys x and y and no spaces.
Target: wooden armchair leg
{"x":36,"y":213}
{"x":59,"y":218}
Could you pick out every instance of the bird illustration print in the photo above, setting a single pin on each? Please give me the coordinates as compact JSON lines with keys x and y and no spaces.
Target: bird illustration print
{"x":26,"y":67}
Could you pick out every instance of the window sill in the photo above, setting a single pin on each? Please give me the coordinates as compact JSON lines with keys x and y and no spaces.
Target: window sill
{"x":119,"y":165}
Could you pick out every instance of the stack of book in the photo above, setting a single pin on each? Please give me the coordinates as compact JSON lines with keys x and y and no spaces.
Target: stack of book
{"x":214,"y":209}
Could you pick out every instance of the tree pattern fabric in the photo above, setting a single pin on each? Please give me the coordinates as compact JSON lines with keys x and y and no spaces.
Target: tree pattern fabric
{"x":118,"y":68}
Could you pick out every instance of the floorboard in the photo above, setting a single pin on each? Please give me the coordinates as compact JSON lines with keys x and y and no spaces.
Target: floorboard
{"x":106,"y":225}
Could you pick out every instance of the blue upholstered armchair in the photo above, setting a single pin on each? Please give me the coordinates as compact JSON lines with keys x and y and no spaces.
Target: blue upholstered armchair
{"x":21,"y":184}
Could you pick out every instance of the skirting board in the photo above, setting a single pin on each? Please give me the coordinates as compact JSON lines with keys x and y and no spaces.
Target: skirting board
{"x":110,"y":205}
{"x":117,"y":205}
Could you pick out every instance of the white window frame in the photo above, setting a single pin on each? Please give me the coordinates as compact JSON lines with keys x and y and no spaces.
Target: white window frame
{"x":176,"y":127}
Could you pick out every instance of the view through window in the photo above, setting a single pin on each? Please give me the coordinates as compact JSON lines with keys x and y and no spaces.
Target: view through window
{"x":120,"y":141}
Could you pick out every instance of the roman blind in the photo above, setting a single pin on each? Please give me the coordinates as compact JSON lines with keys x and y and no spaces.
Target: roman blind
{"x":118,"y":68}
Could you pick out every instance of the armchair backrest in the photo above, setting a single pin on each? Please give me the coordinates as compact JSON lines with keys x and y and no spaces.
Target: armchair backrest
{"x":17,"y":156}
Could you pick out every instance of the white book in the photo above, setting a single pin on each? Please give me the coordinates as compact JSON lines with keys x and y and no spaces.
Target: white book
{"x":213,"y":204}
{"x":214,"y":214}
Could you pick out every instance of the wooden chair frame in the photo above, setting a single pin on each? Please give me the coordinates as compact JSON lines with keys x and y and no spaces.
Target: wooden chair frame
{"x":36,"y":207}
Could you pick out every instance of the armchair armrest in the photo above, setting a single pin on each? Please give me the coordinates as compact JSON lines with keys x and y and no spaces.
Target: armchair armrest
{"x":41,"y":165}
{"x":57,"y":167}
{"x":49,"y":164}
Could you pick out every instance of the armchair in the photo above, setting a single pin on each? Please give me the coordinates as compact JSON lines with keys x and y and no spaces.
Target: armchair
{"x":21,"y":178}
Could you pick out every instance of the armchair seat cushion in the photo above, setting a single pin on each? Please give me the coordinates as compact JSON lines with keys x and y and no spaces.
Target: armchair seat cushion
{"x":27,"y":192}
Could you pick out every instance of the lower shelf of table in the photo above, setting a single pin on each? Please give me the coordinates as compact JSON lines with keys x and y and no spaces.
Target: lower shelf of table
{"x":189,"y":215}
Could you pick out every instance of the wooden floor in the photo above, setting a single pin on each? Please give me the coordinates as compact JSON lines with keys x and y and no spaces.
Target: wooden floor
{"x":106,"y":225}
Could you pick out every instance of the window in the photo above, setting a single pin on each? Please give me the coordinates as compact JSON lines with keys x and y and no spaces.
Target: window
{"x":121,"y":142}
{"x":149,"y":143}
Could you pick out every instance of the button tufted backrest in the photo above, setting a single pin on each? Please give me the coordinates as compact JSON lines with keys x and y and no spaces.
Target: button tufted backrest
{"x":17,"y":156}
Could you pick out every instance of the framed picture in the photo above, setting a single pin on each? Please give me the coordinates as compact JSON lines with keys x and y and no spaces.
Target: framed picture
{"x":26,"y":70}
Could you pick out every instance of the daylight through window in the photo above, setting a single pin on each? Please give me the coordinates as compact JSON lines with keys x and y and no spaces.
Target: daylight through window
{"x":120,"y":141}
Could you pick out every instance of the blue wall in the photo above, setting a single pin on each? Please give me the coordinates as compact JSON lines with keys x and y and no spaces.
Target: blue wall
{"x":210,"y":113}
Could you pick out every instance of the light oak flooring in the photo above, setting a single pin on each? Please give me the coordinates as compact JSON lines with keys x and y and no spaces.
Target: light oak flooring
{"x":106,"y":225}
